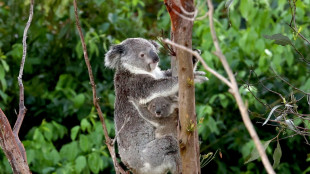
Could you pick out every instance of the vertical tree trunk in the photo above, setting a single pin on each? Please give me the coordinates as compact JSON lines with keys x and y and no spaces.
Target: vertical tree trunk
{"x":181,"y":33}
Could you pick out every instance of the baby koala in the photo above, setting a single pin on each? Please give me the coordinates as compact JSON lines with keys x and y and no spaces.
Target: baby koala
{"x":162,"y":113}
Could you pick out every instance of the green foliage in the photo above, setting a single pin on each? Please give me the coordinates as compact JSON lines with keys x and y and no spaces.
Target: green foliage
{"x":61,"y":131}
{"x":277,"y":156}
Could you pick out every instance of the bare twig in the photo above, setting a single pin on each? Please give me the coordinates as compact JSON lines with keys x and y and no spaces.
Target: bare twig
{"x":235,"y":91}
{"x":194,"y":53}
{"x":303,"y":37}
{"x":120,"y":130}
{"x":281,"y":78}
{"x":22,"y":108}
{"x":109,"y":144}
{"x":9,"y":140}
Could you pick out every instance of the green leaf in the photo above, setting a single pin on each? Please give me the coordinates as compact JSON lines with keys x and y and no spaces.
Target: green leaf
{"x":246,"y":8}
{"x":279,"y":39}
{"x":213,"y":125}
{"x":69,"y":151}
{"x":38,"y":136}
{"x":94,"y":162}
{"x":5,"y":66}
{"x":48,"y":131}
{"x":4,"y":96}
{"x":79,"y":100}
{"x":52,"y":156}
{"x":254,"y":154}
{"x":84,"y":144}
{"x":31,"y":155}
{"x":80,"y":163}
{"x":277,"y":154}
{"x":74,"y":132}
{"x":16,"y":52}
{"x":1,"y":72}
{"x":85,"y":125}
{"x":61,"y":130}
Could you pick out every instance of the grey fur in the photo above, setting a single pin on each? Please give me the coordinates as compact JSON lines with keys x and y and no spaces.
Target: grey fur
{"x":137,"y":145}
{"x":138,"y":77}
{"x":162,"y":113}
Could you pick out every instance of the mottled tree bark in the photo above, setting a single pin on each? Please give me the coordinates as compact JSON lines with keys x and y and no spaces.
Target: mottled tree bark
{"x":11,"y":148}
{"x":181,"y":65}
{"x":9,"y":141}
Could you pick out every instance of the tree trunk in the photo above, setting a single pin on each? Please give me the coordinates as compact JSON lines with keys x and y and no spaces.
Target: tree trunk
{"x":182,"y":66}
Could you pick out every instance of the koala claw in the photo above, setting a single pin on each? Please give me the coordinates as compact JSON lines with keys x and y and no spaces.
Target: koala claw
{"x":200,"y":79}
{"x":143,"y":101}
{"x":199,"y":73}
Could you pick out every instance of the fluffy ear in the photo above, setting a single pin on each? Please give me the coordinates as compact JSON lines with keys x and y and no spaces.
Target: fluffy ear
{"x":157,"y":46}
{"x":174,"y":98}
{"x":112,"y":57}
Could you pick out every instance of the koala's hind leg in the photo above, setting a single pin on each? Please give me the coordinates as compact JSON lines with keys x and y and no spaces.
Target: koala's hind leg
{"x":161,"y":156}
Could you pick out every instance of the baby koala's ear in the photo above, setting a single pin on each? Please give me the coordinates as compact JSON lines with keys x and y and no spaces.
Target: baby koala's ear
{"x":174,"y":98}
{"x":156,"y":45}
{"x":112,"y":57}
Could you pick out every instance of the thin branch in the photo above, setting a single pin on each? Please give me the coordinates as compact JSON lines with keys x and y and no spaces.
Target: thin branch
{"x":116,"y":135}
{"x":281,"y":78}
{"x":303,"y":37}
{"x":22,"y":109}
{"x":194,"y":53}
{"x":9,"y":140}
{"x":235,"y":91}
{"x":118,"y":168}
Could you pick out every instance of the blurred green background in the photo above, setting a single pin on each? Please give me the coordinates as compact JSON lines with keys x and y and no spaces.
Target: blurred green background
{"x":61,"y":131}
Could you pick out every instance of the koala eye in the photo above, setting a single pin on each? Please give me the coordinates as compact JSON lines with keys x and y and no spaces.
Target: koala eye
{"x":141,"y":55}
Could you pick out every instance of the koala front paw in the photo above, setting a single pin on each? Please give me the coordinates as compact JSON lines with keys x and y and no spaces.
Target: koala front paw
{"x":143,"y":101}
{"x":199,"y":73}
{"x":199,"y":77}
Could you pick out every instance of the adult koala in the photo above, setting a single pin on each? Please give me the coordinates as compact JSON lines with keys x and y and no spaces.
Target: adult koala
{"x":138,"y":76}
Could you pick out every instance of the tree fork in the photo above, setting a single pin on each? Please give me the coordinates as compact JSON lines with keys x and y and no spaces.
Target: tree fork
{"x":181,"y":65}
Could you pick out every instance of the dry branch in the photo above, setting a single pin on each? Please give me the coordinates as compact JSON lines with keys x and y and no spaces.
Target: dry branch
{"x":235,"y":91}
{"x":109,"y":141}
{"x":9,"y":140}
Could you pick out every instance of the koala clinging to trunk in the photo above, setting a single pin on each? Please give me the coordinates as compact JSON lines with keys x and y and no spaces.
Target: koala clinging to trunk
{"x":162,"y":113}
{"x":138,"y":76}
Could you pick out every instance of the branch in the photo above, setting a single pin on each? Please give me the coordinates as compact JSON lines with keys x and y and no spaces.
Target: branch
{"x":109,"y":142}
{"x":235,"y":91}
{"x":10,"y":147}
{"x":9,"y":140}
{"x":22,"y":108}
{"x":206,"y":67}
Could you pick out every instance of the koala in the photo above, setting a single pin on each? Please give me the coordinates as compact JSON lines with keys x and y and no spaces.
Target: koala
{"x":162,"y":113}
{"x":138,"y":76}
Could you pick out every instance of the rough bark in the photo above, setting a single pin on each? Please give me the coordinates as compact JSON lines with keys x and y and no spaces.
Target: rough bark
{"x":10,"y":146}
{"x":9,"y":141}
{"x":181,"y":33}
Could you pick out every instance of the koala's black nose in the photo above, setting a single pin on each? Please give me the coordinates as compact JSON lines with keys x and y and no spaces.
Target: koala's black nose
{"x":158,"y":112}
{"x":154,"y":56}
